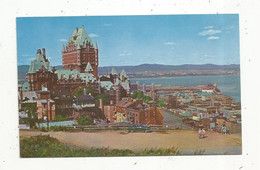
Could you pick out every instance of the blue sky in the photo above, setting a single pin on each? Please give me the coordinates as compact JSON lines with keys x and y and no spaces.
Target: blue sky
{"x":134,"y":40}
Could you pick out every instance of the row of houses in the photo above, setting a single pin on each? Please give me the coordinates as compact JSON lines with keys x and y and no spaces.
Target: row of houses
{"x":206,"y":109}
{"x":134,"y":111}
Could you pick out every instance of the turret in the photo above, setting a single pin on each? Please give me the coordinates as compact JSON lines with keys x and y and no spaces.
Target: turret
{"x":123,"y":76}
{"x":39,"y":51}
{"x":44,"y":54}
{"x":53,"y":69}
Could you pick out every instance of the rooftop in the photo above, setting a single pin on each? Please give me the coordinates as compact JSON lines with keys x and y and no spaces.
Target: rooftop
{"x":81,"y":38}
{"x":39,"y":62}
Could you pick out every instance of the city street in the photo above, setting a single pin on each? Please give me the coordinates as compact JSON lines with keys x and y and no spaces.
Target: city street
{"x":172,"y":120}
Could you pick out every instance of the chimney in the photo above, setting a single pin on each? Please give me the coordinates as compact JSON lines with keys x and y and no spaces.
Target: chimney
{"x":144,"y":88}
{"x":21,"y":94}
{"x":49,"y":116}
{"x":101,"y":104}
{"x":117,"y":95}
{"x":43,"y":52}
{"x":39,"y":51}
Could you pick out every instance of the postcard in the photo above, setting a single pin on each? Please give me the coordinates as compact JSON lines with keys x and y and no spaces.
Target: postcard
{"x":150,"y":85}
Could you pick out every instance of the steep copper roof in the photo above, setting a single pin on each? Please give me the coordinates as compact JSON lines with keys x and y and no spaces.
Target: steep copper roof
{"x":80,"y":37}
{"x":113,"y":71}
{"x":39,"y":62}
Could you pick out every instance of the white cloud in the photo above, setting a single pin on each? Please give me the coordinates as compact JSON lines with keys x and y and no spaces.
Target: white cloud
{"x":63,"y":40}
{"x":169,"y":43}
{"x":125,"y":53}
{"x":208,"y":56}
{"x":209,"y":27}
{"x":107,"y":25}
{"x":26,"y":55}
{"x":213,"y":38}
{"x":209,"y":32}
{"x":92,"y":35}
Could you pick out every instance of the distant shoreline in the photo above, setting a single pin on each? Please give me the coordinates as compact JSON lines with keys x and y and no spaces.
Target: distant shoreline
{"x":141,"y":78}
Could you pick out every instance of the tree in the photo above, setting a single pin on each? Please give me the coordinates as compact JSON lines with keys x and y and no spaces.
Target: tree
{"x":60,"y":118}
{"x":32,"y":118}
{"x":134,"y":94}
{"x":84,"y":119}
{"x":161,"y":103}
{"x":104,"y":97}
{"x":141,"y":95}
{"x":79,"y":91}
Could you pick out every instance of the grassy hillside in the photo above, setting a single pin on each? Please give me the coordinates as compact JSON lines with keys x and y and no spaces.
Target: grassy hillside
{"x":46,"y":146}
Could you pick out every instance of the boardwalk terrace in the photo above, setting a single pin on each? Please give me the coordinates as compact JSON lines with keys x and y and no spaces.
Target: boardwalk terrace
{"x":80,"y":51}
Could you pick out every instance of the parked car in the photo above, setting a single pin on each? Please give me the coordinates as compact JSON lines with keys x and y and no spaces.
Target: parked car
{"x":138,"y":127}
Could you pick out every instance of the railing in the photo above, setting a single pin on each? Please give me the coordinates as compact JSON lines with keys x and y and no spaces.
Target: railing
{"x":155,"y":128}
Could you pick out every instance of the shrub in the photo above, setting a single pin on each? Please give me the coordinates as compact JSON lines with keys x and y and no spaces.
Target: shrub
{"x":141,"y":95}
{"x":104,"y":97}
{"x":79,"y":91}
{"x":42,"y":146}
{"x":199,"y":152}
{"x":84,"y":119}
{"x":60,"y":118}
{"x":46,"y":146}
{"x":58,"y":128}
{"x":44,"y":129}
{"x":161,"y":103}
{"x":31,"y":111}
{"x":159,"y":152}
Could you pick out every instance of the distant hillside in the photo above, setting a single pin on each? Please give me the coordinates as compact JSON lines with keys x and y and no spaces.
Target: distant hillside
{"x":159,"y":67}
{"x":22,"y":69}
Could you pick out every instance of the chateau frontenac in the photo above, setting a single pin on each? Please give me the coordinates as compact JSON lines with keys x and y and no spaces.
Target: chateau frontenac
{"x":80,"y":63}
{"x":80,"y":68}
{"x":79,"y":51}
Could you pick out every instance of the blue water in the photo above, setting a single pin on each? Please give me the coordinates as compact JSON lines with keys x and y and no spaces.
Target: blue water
{"x":229,"y":85}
